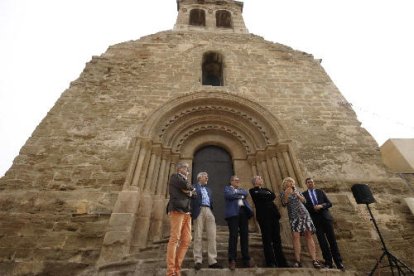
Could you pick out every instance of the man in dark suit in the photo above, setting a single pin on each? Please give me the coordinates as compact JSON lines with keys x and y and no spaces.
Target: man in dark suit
{"x":202,"y":215}
{"x":179,"y":208}
{"x":268,"y":216}
{"x":237,"y":214}
{"x":318,"y":206}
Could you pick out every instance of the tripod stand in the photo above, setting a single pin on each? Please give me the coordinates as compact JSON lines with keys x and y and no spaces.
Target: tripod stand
{"x":393,"y":261}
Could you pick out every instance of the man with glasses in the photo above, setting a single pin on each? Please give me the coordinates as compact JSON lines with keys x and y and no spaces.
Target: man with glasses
{"x":237,"y":214}
{"x":318,"y":206}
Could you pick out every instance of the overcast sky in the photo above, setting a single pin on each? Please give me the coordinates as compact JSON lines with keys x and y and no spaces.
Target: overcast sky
{"x":366,"y":47}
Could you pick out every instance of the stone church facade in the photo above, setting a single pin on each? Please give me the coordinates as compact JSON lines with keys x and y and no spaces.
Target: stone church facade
{"x":89,"y":187}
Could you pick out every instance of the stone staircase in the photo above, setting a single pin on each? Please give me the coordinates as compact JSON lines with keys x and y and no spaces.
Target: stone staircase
{"x":151,"y":261}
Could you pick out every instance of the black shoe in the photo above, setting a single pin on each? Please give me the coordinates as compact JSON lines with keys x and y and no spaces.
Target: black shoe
{"x":197,"y":266}
{"x":215,"y":265}
{"x":282,"y":264}
{"x":271,"y":265}
{"x":340,"y":266}
{"x":326,"y":264}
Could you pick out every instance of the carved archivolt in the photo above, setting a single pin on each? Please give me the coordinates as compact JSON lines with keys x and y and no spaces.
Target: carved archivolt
{"x":247,"y":121}
{"x":177,"y":129}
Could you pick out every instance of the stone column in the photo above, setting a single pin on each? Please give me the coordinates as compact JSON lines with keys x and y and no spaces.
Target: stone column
{"x":156,"y":174}
{"x":166,"y":176}
{"x":282,"y":165}
{"x":145,"y":165}
{"x":160,"y":184}
{"x":295,"y":165}
{"x":159,"y":205}
{"x":278,"y":174}
{"x":172,"y":160}
{"x":153,"y":169}
{"x":140,"y":163}
{"x":158,"y":211}
{"x":132,"y":165}
{"x":144,"y":217}
{"x":285,"y":230}
{"x":288,"y":164}
{"x":265,"y":173}
{"x":252,"y":162}
{"x":273,"y":178}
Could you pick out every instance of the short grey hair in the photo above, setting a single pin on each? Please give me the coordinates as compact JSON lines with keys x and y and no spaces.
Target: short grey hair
{"x":200,"y":174}
{"x":254,"y":179}
{"x":181,"y":164}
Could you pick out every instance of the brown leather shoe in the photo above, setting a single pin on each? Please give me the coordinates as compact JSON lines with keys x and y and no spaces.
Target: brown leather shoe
{"x":232,"y":265}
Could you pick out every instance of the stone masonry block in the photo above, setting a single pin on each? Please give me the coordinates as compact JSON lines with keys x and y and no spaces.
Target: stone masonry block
{"x":127,"y":202}
{"x":116,"y":237}
{"x":115,"y":246}
{"x":121,"y":222}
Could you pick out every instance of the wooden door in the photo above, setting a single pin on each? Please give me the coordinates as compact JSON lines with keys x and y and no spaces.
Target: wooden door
{"x":218,"y":164}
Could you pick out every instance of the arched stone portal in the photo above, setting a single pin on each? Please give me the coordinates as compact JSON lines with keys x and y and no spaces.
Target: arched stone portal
{"x":254,"y":138}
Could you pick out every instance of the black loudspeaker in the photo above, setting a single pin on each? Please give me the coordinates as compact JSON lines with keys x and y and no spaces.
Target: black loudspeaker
{"x":362,"y":194}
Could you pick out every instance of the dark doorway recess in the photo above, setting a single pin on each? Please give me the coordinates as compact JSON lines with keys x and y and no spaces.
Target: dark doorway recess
{"x":218,"y":164}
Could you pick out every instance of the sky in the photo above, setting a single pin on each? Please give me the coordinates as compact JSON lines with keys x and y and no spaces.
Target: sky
{"x":366,"y":48}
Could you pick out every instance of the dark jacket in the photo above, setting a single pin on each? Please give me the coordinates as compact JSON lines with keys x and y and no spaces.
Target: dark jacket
{"x":263,"y":201}
{"x":232,"y":197}
{"x":323,"y":200}
{"x":180,"y":196}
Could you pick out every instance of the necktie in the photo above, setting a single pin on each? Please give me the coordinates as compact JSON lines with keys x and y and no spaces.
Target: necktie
{"x":313,"y":197}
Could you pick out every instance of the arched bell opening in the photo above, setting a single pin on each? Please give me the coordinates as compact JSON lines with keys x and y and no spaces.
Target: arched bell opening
{"x":197,"y":17}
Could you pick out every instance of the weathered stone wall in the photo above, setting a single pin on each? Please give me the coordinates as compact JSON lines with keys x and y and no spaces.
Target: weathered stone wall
{"x":57,"y":198}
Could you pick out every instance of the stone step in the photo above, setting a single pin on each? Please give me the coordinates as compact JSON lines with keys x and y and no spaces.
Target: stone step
{"x":150,"y":271}
{"x":153,"y":257}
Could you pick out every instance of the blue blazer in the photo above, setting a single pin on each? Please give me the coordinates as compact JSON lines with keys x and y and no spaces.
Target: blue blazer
{"x":232,"y":197}
{"x":196,"y":202}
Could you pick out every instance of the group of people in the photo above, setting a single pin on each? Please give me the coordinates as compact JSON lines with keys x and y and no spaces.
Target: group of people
{"x":192,"y":204}
{"x":308,"y":214}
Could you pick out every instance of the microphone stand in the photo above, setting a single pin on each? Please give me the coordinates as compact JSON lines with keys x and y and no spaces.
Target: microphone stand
{"x":393,"y":261}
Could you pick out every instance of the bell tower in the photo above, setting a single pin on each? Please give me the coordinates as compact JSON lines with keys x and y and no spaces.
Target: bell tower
{"x":223,"y":16}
